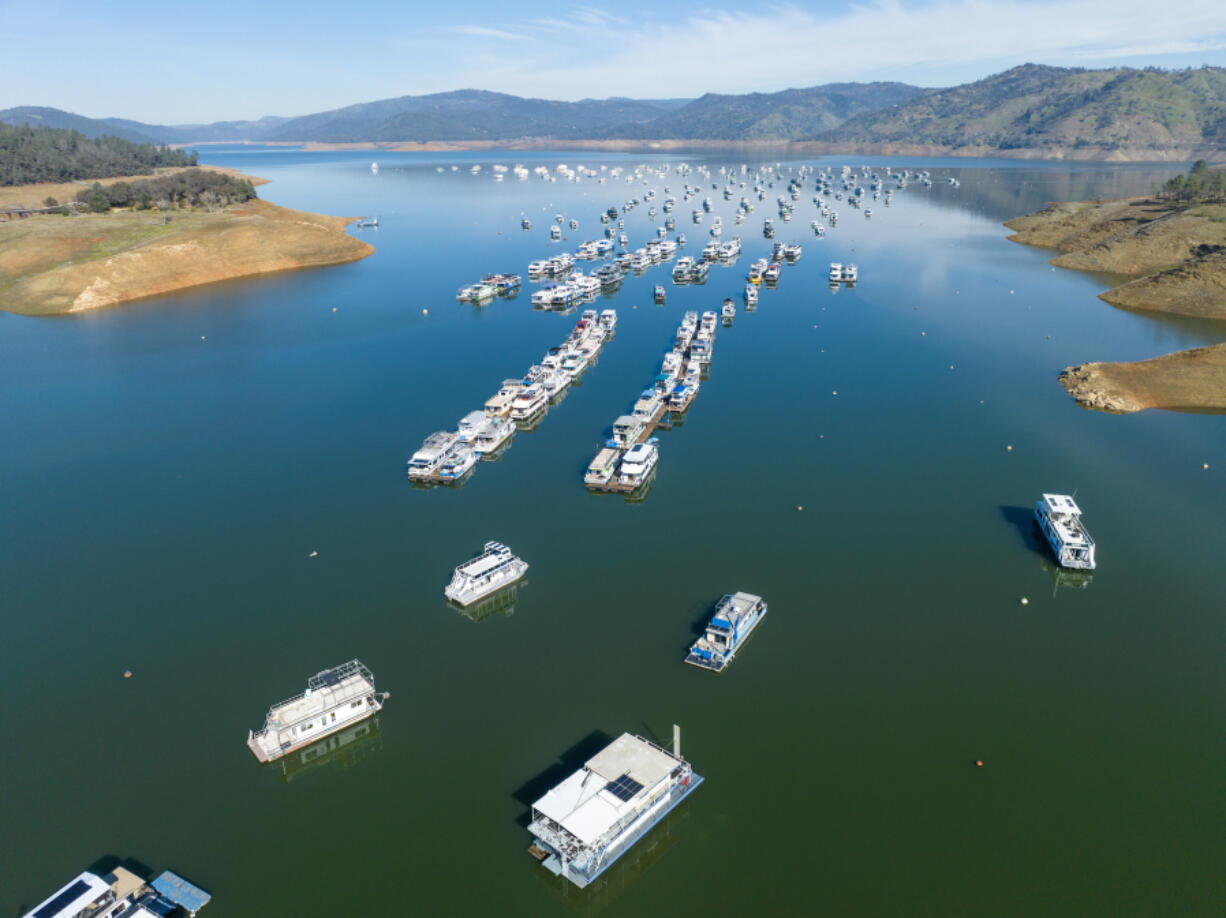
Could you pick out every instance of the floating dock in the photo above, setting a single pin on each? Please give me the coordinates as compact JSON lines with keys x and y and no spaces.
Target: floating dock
{"x":613,"y":486}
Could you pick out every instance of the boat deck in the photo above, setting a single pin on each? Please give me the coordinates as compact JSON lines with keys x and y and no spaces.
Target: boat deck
{"x":613,"y":485}
{"x":553,"y":863}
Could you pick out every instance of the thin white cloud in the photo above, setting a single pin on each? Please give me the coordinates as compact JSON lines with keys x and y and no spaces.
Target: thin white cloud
{"x":777,"y":47}
{"x":486,"y":32}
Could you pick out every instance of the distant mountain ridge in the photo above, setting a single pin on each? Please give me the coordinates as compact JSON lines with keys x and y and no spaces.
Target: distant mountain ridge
{"x":1040,"y":108}
{"x":1030,"y":110}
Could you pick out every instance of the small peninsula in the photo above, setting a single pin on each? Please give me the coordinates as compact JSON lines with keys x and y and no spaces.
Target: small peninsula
{"x":1171,"y":249}
{"x":68,"y":244}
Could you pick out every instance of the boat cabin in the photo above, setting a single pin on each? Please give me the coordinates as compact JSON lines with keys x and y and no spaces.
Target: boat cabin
{"x":600,"y":470}
{"x":627,"y":429}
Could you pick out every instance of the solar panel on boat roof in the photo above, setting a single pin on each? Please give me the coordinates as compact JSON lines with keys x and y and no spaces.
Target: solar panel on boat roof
{"x":624,"y":787}
{"x":61,"y":901}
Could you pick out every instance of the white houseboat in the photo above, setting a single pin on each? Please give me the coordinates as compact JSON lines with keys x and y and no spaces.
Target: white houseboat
{"x":637,"y":464}
{"x":334,"y":699}
{"x":583,"y":825}
{"x":426,"y":461}
{"x":493,"y":569}
{"x":735,"y":617}
{"x":1059,"y":518}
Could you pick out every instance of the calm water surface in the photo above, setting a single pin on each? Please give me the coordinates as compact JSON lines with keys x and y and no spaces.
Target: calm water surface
{"x":167,"y":467}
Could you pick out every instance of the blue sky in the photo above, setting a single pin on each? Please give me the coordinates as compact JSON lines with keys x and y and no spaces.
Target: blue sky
{"x":228,"y":60}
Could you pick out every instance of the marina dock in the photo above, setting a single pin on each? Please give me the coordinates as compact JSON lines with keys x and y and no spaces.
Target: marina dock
{"x":627,"y":462}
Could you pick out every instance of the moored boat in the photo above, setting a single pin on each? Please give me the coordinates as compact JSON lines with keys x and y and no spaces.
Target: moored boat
{"x":736,"y":616}
{"x":637,"y":464}
{"x":1059,"y":519}
{"x":584,"y":824}
{"x":334,"y":699}
{"x":601,"y":469}
{"x":426,"y":461}
{"x":496,"y":567}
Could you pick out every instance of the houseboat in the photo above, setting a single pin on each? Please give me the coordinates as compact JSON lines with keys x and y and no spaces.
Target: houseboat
{"x":334,"y":699}
{"x":584,"y":824}
{"x":122,"y":894}
{"x":735,"y":618}
{"x":600,"y":470}
{"x":495,"y":568}
{"x":626,"y":429}
{"x":1059,"y":518}
{"x":459,"y":461}
{"x":637,"y":464}
{"x":426,"y":461}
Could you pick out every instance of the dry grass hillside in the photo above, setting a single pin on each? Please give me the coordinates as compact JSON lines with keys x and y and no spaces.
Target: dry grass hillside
{"x":52,"y":265}
{"x":1176,"y":257}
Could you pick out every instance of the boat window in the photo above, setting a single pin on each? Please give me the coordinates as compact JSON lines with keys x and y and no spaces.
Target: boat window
{"x":356,"y":704}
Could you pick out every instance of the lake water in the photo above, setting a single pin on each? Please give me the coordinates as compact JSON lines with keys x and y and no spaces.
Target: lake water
{"x":168,"y":467}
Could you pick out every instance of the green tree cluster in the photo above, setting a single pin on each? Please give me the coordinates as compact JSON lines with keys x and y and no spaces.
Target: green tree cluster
{"x":1201,"y":185}
{"x":195,"y":188}
{"x":42,"y":154}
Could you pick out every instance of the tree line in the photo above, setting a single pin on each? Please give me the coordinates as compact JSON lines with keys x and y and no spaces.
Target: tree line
{"x":41,"y":154}
{"x":193,"y":188}
{"x":1201,"y":185}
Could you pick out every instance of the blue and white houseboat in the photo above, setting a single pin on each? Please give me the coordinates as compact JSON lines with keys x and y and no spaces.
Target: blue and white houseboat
{"x":1059,"y":518}
{"x":735,"y":618}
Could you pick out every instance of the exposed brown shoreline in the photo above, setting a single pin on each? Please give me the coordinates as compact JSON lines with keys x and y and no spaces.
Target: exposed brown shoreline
{"x":54,"y":265}
{"x":784,"y":147}
{"x":1175,"y":258}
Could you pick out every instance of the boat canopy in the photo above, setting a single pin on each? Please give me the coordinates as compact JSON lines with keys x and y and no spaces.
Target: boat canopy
{"x":611,"y":785}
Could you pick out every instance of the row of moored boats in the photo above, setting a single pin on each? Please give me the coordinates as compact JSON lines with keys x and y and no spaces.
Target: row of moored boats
{"x":447,"y":457}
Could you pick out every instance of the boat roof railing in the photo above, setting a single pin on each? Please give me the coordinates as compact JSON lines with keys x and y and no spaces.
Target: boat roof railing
{"x":329,"y":677}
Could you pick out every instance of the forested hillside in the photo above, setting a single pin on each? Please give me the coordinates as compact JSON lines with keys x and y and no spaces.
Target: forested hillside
{"x":43,"y":154}
{"x":1061,"y":109}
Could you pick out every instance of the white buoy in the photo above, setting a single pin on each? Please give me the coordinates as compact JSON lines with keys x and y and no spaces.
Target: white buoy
{"x":313,"y":554}
{"x":425,"y":312}
{"x":1025,"y":601}
{"x":334,"y":309}
{"x":1009,"y":448}
{"x":127,"y":674}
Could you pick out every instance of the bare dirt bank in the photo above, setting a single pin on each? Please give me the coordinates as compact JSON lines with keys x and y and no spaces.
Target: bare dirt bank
{"x":1176,"y":257}
{"x":53,"y":265}
{"x":785,"y":147}
{"x":1192,"y":380}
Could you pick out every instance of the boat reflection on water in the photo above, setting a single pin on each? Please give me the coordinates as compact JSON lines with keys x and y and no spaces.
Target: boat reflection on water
{"x":1063,"y":576}
{"x":500,"y":603}
{"x":343,"y":749}
{"x":605,"y":890}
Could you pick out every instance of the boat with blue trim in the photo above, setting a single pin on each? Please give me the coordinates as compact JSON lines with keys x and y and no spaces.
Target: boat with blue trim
{"x":735,"y":618}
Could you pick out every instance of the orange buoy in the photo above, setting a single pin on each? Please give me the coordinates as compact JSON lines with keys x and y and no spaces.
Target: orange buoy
{"x":979,"y":763}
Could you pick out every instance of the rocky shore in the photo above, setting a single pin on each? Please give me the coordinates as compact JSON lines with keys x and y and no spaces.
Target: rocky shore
{"x":1172,"y":260}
